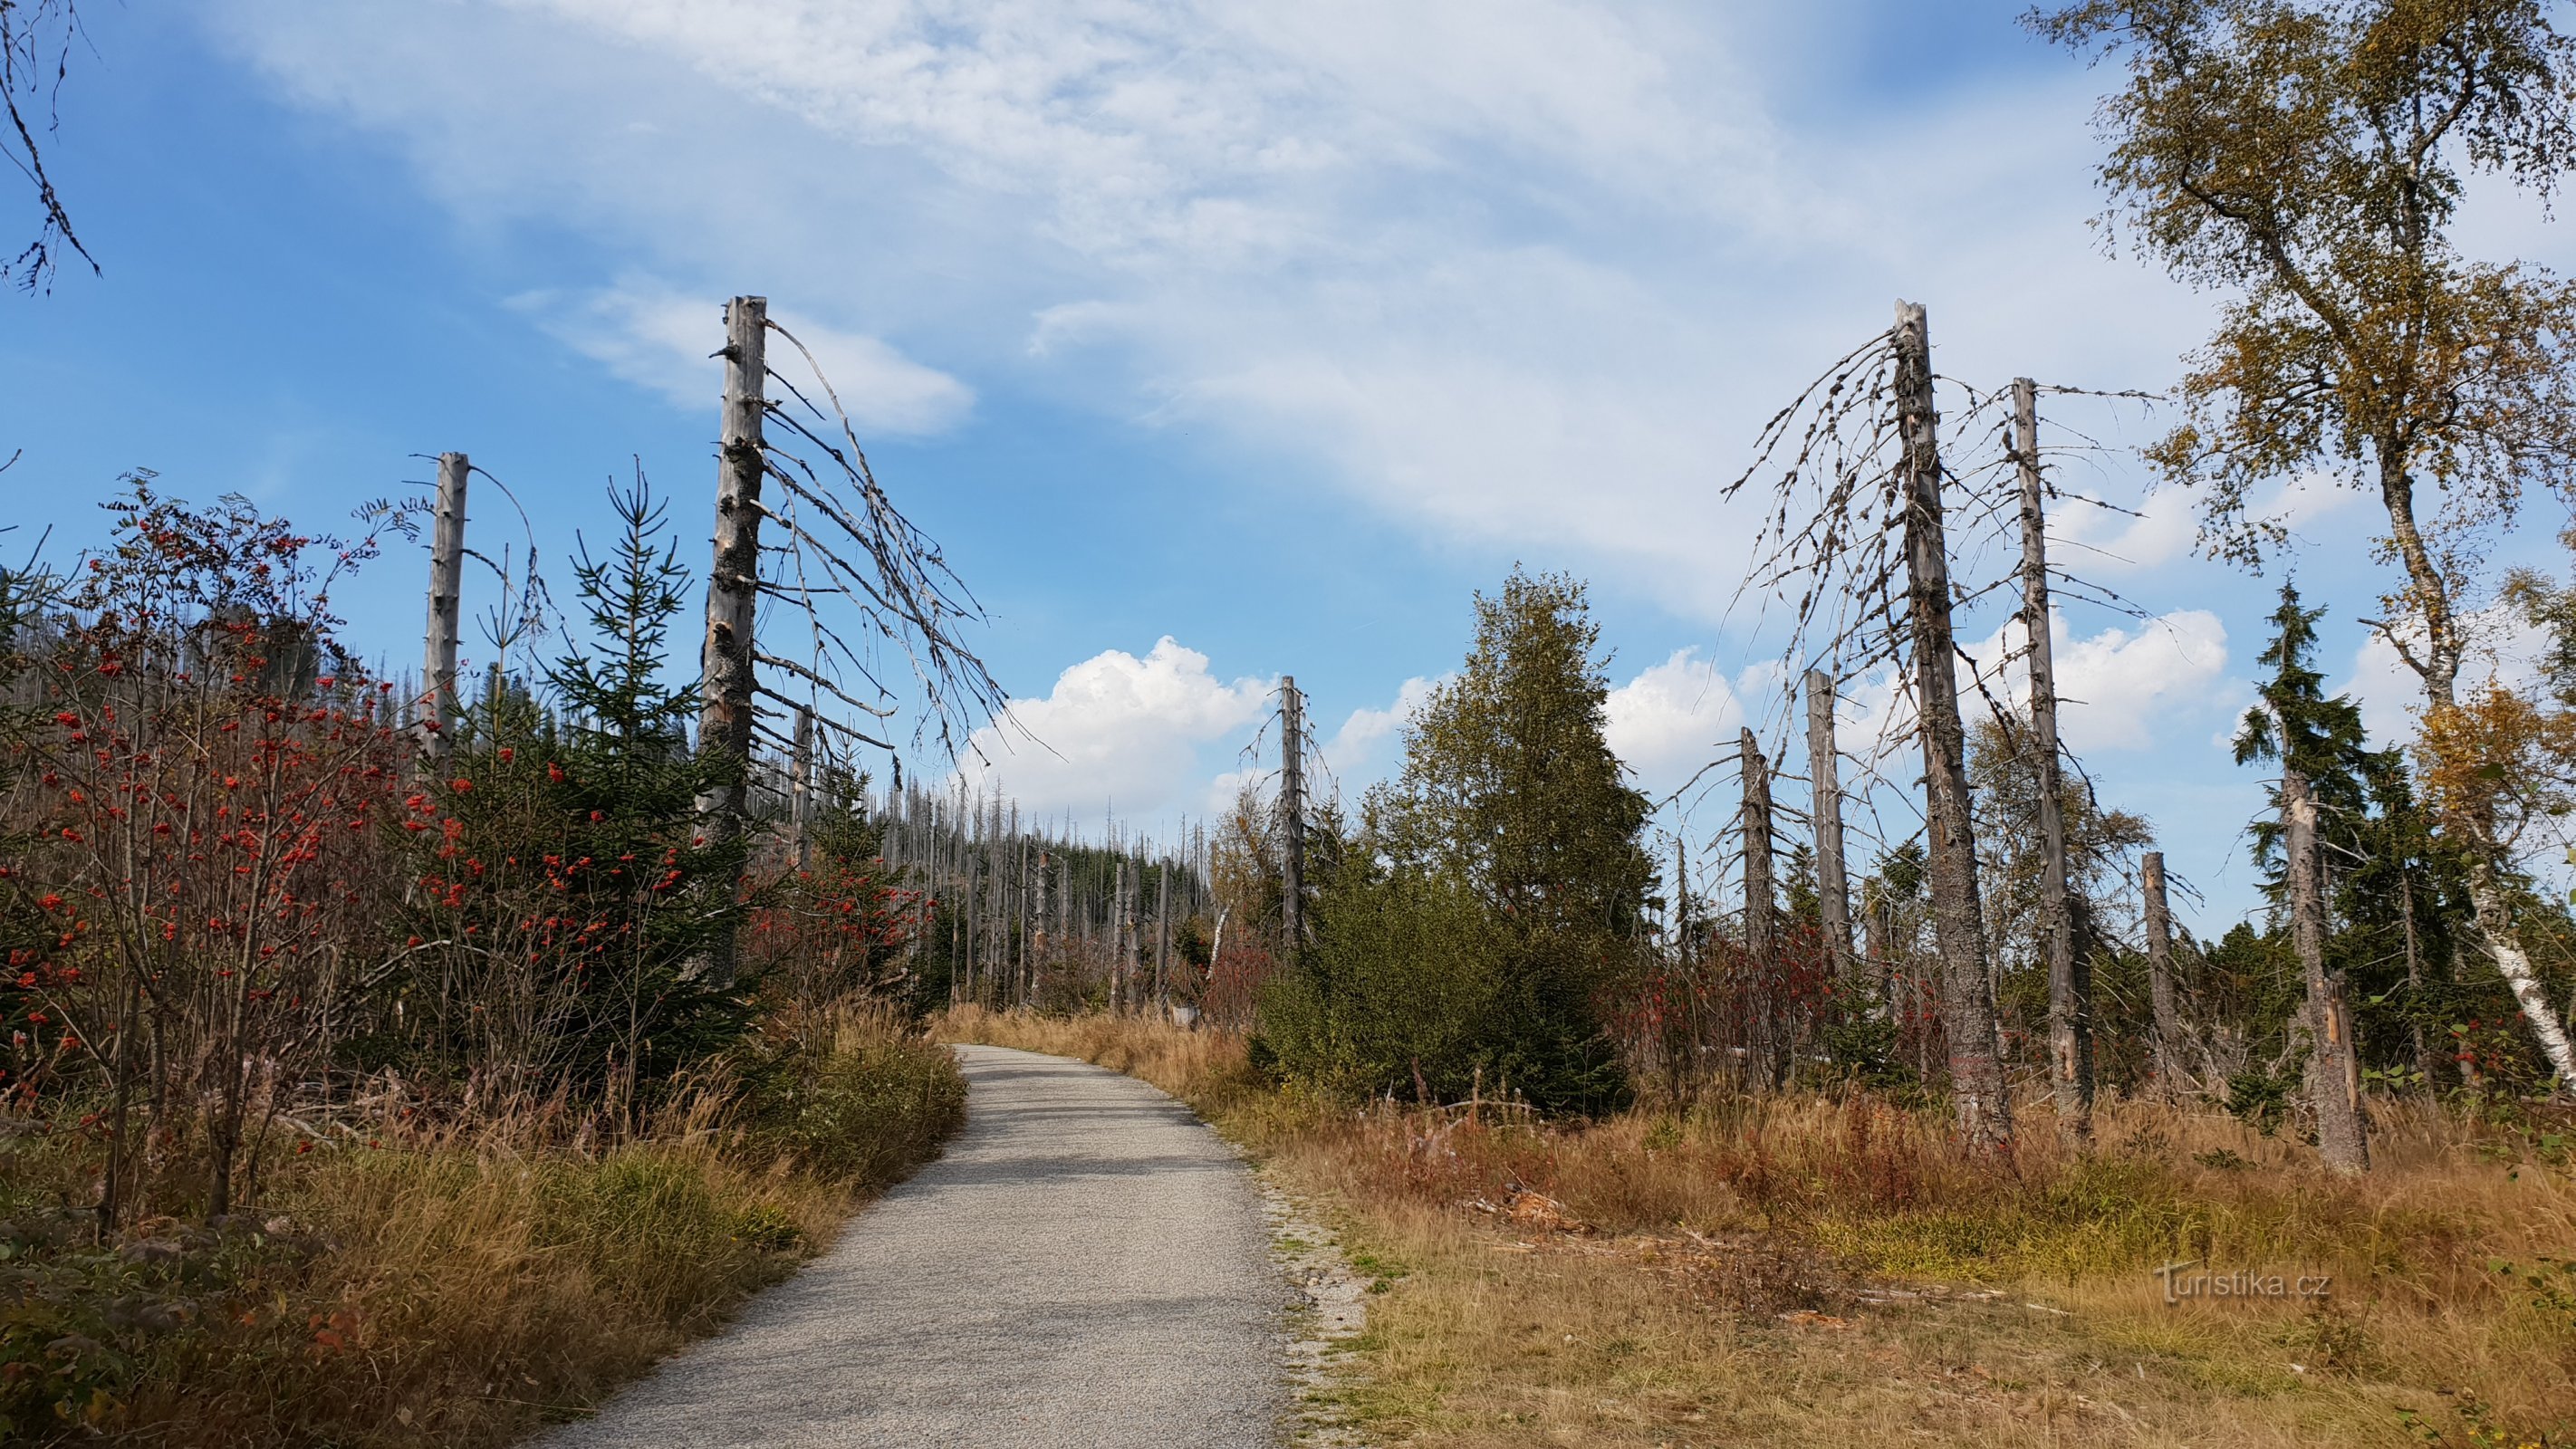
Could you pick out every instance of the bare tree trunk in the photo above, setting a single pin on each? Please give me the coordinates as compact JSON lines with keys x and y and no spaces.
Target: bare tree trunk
{"x":2160,"y":975}
{"x":1969,"y":1020}
{"x":2335,"y":1073}
{"x":800,"y":788}
{"x":1767,"y":1047}
{"x":1118,"y":939}
{"x":1882,"y":966}
{"x":733,"y":591}
{"x":1292,"y":819}
{"x":2070,"y":1004}
{"x":1163,"y":938}
{"x":1833,"y":888}
{"x":446,"y":595}
{"x":2424,"y":1059}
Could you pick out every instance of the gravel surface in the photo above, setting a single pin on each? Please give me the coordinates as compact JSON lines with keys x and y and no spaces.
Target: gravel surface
{"x":1087,"y":1266}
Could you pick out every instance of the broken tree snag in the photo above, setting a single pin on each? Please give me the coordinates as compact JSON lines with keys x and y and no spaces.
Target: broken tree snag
{"x":1767,"y":1034}
{"x":446,"y":583}
{"x":800,"y":787}
{"x":2160,"y":977}
{"x":1292,"y":819}
{"x":2070,"y":1013}
{"x":733,"y":591}
{"x":1983,"y":1111}
{"x":2335,"y":1074}
{"x":1833,"y":891}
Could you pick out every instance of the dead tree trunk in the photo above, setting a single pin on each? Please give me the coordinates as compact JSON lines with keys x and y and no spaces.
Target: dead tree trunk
{"x":1833,"y":890}
{"x":733,"y":592}
{"x":1882,"y":970}
{"x":800,"y":788}
{"x":2425,"y":1062}
{"x":446,"y":595}
{"x":2335,"y":1074}
{"x":2070,"y":987}
{"x":2160,"y":973}
{"x":1118,"y":939}
{"x":1292,"y":819}
{"x":1984,"y":1112}
{"x":1766,"y":1029}
{"x":1163,"y":937}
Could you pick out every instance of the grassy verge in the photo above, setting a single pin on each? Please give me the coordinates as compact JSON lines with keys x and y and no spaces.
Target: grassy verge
{"x":404,"y":1282}
{"x":1814,"y":1270}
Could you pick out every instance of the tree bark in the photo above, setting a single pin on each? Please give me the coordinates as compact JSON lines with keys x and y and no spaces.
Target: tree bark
{"x":1982,"y":1109}
{"x":2070,"y":1006}
{"x":1833,"y":887}
{"x":1766,"y":1030}
{"x":800,"y":788}
{"x":2335,"y":1074}
{"x":2160,"y":975}
{"x":446,"y":594}
{"x":1292,"y":819}
{"x":1118,"y":939}
{"x":733,"y":591}
{"x":2424,"y":1063}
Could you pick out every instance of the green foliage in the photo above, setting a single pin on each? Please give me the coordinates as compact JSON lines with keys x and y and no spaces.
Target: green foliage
{"x":864,"y":1107}
{"x":83,"y":1325}
{"x":1869,"y":1050}
{"x":2551,"y":1282}
{"x":1472,"y":923}
{"x":2309,"y":159}
{"x":565,"y":890}
{"x":2260,"y":1099}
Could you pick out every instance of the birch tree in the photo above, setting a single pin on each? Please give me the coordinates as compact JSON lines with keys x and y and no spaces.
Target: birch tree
{"x":2307,"y":161}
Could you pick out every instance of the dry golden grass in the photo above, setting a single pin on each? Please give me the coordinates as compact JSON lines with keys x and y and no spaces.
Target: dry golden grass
{"x":1720,"y":1277}
{"x":456,"y":1284}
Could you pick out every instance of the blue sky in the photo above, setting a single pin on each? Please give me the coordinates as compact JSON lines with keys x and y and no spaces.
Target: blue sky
{"x":1270,"y":331}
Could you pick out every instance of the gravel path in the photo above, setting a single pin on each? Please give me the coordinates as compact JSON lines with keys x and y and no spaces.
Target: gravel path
{"x":1087,"y":1266}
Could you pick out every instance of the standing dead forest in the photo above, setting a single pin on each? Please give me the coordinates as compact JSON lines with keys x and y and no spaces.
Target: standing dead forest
{"x":412,"y":1055}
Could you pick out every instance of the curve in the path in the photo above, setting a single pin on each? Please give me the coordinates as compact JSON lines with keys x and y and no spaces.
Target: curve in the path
{"x":1087,"y":1265}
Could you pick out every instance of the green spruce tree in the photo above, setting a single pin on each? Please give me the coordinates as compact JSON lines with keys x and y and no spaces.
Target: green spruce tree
{"x":1490,"y":896}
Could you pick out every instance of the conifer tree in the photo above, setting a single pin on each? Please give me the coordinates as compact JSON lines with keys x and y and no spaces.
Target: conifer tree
{"x":1489,"y":897}
{"x":566,"y":884}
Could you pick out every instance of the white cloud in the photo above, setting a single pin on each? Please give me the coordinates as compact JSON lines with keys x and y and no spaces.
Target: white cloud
{"x":2120,"y":689}
{"x":2164,"y":525}
{"x":1362,"y":752}
{"x":1675,"y":717}
{"x":1526,"y":272}
{"x":2501,"y":645}
{"x":1116,"y":732}
{"x":2119,"y":686}
{"x":659,"y":338}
